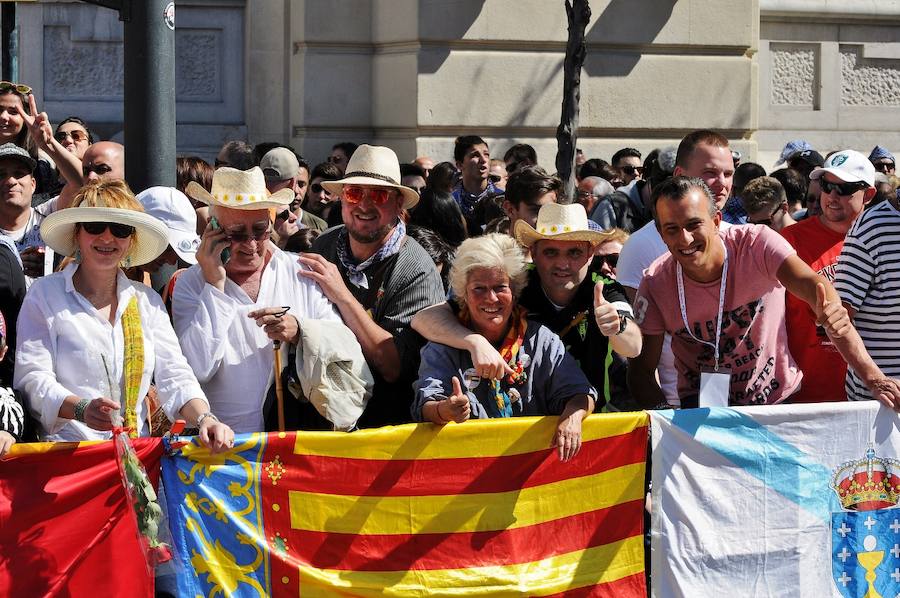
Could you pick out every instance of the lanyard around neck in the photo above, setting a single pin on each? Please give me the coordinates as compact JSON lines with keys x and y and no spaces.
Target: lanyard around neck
{"x":680,"y":280}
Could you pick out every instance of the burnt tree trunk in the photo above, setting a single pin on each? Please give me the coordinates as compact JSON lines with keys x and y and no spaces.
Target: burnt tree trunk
{"x":578,"y":13}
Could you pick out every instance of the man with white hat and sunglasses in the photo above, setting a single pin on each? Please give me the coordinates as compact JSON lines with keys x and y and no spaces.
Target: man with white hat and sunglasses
{"x":847,"y":185}
{"x":243,"y":294}
{"x":377,"y":276}
{"x":565,"y":292}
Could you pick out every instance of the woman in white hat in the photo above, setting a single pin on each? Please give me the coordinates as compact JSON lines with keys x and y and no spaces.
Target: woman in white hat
{"x":90,"y":340}
{"x":486,"y":277}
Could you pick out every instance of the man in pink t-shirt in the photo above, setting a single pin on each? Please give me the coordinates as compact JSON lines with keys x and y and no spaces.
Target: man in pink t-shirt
{"x":748,"y":331}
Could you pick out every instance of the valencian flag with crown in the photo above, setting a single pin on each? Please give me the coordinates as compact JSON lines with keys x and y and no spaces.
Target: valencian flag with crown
{"x":482,"y":508}
{"x":793,"y":500}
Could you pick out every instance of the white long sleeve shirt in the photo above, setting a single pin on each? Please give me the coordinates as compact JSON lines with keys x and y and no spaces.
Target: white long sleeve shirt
{"x":232,"y":356}
{"x":62,"y":343}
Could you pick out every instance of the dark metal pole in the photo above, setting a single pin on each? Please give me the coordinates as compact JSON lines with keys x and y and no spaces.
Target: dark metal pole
{"x":149,"y":94}
{"x":9,"y":51}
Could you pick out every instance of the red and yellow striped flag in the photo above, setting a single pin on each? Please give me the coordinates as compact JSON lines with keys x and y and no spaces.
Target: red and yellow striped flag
{"x":481,"y":508}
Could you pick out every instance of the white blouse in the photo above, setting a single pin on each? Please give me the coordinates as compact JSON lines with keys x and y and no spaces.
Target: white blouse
{"x":62,"y":343}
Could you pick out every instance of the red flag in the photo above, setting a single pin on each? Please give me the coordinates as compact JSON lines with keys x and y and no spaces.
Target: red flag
{"x":65,"y":527}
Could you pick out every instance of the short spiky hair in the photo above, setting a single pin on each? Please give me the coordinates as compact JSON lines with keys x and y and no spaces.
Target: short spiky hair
{"x":692,"y":140}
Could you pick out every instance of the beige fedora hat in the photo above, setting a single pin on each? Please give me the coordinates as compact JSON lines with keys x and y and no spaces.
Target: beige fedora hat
{"x":559,"y":222}
{"x":240,"y":190}
{"x":150,"y":237}
{"x":374,"y":165}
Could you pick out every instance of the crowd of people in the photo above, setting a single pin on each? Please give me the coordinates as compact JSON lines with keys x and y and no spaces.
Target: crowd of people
{"x":266,"y":292}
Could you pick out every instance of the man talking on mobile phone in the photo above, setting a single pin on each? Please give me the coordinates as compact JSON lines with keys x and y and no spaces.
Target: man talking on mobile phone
{"x":242,"y":298}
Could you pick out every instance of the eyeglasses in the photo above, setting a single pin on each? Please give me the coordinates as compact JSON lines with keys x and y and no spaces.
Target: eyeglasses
{"x":119,"y":231}
{"x":259,"y":232}
{"x":76,"y":135}
{"x":883,"y":166}
{"x":19,"y":88}
{"x":317,"y":188}
{"x":611,"y":259}
{"x":285,"y":215}
{"x":631,"y":170}
{"x":843,"y":189}
{"x":766,"y":221}
{"x":494,"y":178}
{"x":378,"y":195}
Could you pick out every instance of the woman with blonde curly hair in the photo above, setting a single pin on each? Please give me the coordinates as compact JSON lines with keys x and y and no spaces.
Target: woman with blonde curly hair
{"x":542,"y":379}
{"x":90,"y":340}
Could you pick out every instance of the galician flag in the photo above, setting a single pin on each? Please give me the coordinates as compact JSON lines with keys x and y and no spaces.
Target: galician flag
{"x":793,"y":500}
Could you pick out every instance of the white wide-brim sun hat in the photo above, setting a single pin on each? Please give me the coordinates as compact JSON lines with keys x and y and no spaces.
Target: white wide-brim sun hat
{"x":240,"y":190}
{"x":149,"y":241}
{"x":559,"y":222}
{"x":377,"y":166}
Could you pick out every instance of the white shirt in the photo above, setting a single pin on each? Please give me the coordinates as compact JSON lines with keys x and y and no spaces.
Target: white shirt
{"x":640,"y":250}
{"x":231,"y":355}
{"x":62,"y":341}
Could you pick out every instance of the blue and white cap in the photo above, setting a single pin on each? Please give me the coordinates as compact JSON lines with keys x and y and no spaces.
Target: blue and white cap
{"x":791,"y":148}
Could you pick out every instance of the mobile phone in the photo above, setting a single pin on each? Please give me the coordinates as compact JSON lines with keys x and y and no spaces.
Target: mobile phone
{"x":226,"y":253}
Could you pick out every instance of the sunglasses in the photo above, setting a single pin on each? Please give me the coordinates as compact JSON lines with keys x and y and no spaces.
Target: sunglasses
{"x":283,"y":215}
{"x":76,"y":135}
{"x":611,"y":259}
{"x":766,"y":221}
{"x":844,"y":189}
{"x":119,"y":231}
{"x":258,"y":233}
{"x":630,"y":170}
{"x":883,"y":166}
{"x":494,"y":178}
{"x":317,"y":188}
{"x":19,"y":88}
{"x":378,"y":196}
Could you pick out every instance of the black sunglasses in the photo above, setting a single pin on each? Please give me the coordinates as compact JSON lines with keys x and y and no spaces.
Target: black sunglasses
{"x":317,"y":188}
{"x":844,"y":189}
{"x":630,"y":170}
{"x":611,"y":259}
{"x":883,"y":166}
{"x":283,"y":215}
{"x":494,"y":178}
{"x":119,"y":231}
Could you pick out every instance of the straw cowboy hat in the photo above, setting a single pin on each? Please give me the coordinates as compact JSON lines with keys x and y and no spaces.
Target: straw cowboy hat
{"x":150,"y":237}
{"x":240,"y":190}
{"x":374,"y":165}
{"x":559,"y":222}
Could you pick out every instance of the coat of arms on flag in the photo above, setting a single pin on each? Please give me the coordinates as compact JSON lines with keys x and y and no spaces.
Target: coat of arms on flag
{"x":865,"y":534}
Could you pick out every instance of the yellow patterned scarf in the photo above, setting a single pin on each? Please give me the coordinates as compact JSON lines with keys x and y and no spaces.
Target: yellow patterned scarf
{"x":134,"y":363}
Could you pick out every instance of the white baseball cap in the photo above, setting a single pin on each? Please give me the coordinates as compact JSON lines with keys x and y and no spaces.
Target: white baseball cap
{"x":848,"y":165}
{"x":174,"y":209}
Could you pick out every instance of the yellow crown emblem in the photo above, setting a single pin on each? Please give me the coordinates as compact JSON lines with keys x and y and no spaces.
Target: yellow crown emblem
{"x":867,"y":484}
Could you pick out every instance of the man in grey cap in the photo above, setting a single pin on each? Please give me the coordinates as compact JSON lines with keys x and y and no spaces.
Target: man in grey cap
{"x":19,"y":222}
{"x":282,"y":171}
{"x":883,"y":160}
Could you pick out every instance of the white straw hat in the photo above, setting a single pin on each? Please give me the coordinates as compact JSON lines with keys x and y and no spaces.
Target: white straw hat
{"x":559,"y":222}
{"x":150,"y":238}
{"x":374,"y":165}
{"x":240,"y":190}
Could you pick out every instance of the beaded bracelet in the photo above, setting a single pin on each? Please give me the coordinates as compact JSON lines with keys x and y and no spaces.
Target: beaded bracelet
{"x":80,"y":408}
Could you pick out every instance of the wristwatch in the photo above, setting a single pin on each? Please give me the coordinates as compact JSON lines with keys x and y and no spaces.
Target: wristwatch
{"x":203,"y":416}
{"x":624,"y":316}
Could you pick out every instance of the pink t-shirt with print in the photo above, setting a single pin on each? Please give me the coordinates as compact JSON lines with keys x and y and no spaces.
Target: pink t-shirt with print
{"x":753,"y":343}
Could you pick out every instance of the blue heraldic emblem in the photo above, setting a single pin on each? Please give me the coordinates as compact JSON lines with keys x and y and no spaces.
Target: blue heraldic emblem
{"x":865,"y":535}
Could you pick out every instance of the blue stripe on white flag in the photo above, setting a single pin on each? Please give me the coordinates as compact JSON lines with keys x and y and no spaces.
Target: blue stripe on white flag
{"x":760,"y":452}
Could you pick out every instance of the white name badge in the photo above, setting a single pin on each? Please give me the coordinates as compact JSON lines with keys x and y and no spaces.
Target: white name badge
{"x":714,"y":389}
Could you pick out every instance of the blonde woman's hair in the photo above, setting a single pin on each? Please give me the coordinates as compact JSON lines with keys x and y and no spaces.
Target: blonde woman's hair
{"x":493,"y":251}
{"x":616,"y":234}
{"x":107,"y":194}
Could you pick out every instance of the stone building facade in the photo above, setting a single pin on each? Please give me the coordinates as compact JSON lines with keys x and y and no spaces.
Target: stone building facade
{"x":413,"y":74}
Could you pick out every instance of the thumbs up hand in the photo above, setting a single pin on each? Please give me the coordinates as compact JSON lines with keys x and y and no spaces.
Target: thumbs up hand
{"x":831,"y":314}
{"x":605,"y":312}
{"x":456,"y":406}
